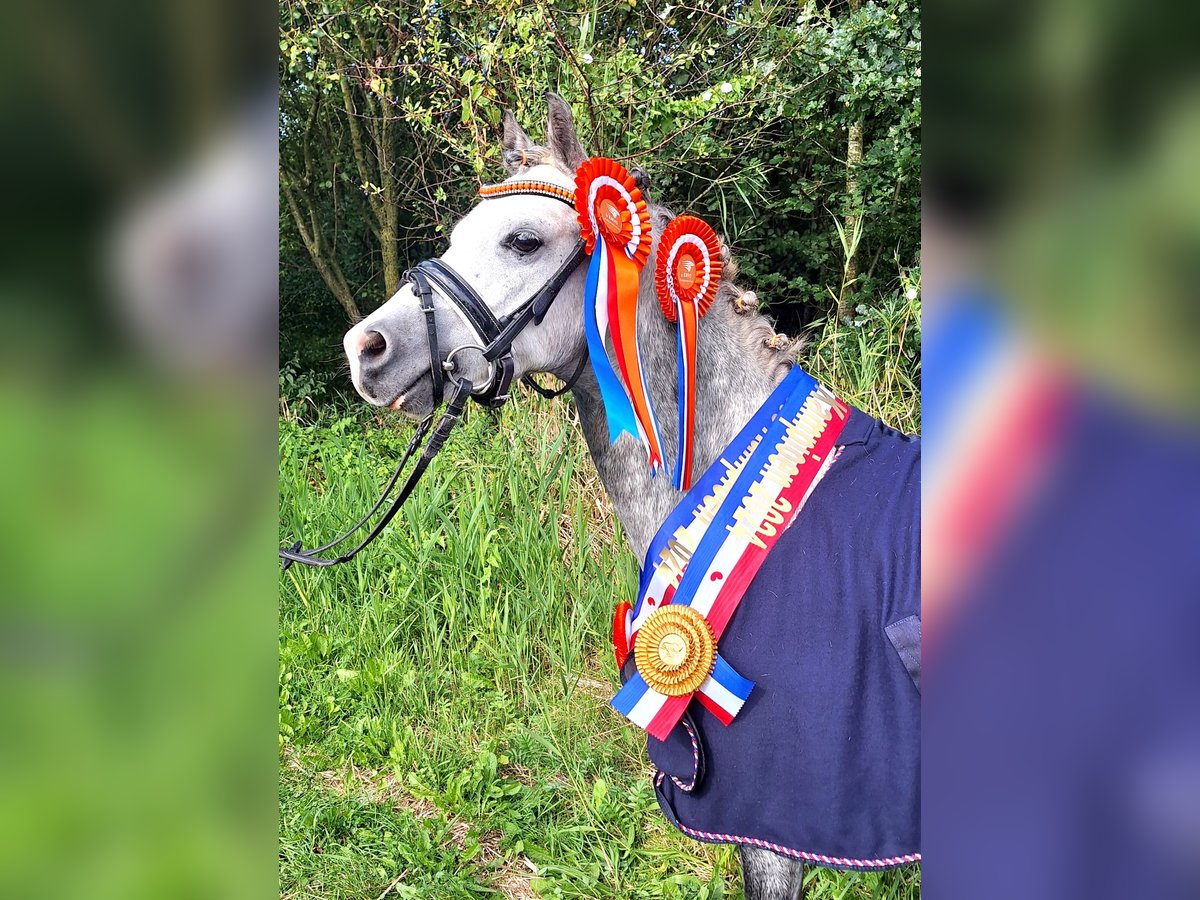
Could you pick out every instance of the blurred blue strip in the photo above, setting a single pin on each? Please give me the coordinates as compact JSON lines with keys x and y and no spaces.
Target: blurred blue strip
{"x":957,"y":339}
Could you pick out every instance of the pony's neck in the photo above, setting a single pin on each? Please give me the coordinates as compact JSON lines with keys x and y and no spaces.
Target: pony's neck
{"x":736,"y":372}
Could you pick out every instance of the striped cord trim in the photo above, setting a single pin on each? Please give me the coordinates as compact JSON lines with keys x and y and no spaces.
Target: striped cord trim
{"x":539,"y":188}
{"x":686,"y":787}
{"x":886,"y":862}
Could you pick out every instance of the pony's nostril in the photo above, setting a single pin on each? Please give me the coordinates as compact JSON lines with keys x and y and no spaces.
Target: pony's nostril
{"x":373,"y":344}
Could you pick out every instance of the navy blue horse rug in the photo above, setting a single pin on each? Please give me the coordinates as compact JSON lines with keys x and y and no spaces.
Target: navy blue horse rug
{"x":822,"y":762}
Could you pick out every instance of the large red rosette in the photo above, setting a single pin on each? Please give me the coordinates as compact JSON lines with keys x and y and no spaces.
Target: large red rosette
{"x":611,"y":205}
{"x":615,"y":226}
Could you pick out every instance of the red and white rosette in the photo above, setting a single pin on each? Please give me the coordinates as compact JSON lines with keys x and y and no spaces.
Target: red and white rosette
{"x":615,"y":226}
{"x":611,"y":205}
{"x":687,"y":274}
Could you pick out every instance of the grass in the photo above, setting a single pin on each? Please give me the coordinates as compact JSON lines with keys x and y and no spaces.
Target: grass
{"x":443,"y":720}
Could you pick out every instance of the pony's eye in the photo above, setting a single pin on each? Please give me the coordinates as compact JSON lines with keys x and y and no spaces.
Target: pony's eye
{"x":524,"y":242}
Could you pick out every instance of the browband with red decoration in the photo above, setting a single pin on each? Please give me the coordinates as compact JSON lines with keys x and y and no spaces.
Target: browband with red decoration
{"x":536,"y":188}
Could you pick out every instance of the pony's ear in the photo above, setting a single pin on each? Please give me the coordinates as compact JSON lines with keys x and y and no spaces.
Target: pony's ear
{"x":642,"y":179}
{"x":515,"y":143}
{"x":560,"y":132}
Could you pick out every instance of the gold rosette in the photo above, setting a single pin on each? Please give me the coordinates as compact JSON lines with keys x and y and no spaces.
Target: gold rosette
{"x":675,"y":650}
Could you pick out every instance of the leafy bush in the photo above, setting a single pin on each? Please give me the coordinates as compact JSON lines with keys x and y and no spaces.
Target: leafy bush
{"x":305,"y":391}
{"x":742,"y":112}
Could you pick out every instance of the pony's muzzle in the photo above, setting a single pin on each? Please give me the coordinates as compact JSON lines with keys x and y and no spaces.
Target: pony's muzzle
{"x":373,"y":351}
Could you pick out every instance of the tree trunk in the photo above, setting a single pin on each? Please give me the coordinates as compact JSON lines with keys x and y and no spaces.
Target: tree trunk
{"x":854,"y":155}
{"x":331,"y":274}
{"x":389,"y":207}
{"x":324,"y":261}
{"x":390,"y":249}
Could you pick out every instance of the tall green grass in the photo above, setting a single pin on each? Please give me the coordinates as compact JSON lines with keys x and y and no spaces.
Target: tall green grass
{"x":443,"y":720}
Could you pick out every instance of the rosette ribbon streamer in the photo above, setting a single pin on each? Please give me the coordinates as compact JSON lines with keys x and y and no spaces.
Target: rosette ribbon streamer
{"x":686,"y":275}
{"x":615,"y":227}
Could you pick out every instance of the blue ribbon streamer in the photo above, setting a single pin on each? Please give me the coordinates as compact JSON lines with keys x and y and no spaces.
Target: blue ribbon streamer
{"x":617,"y":407}
{"x":630,"y":693}
{"x":726,"y":676}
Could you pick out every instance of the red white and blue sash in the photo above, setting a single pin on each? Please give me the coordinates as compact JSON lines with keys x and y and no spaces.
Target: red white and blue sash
{"x":992,"y":383}
{"x":711,"y":545}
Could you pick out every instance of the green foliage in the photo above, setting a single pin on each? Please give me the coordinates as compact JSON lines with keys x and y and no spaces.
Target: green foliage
{"x":443,"y":721}
{"x":876,"y":357}
{"x":305,"y":391}
{"x":739,"y":111}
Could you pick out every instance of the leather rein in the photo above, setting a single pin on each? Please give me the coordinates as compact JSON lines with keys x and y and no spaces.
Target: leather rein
{"x":494,"y":338}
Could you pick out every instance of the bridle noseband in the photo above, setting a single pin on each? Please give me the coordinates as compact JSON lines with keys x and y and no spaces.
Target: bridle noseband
{"x":494,"y":337}
{"x":494,"y":341}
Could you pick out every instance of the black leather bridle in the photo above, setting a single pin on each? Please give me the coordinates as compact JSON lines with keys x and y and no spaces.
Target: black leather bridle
{"x":494,"y":340}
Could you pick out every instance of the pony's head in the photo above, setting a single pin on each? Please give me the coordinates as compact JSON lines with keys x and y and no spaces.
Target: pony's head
{"x":506,"y":249}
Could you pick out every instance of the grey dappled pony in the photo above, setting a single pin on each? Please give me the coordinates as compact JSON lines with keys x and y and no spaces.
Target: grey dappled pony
{"x":742,"y":359}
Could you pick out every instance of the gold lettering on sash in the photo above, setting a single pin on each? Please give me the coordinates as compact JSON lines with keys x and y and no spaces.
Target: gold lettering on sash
{"x":745,"y":526}
{"x":770,"y":516}
{"x":676,"y":555}
{"x":763,"y":509}
{"x":773,"y":517}
{"x":836,"y":406}
{"x":779,"y":471}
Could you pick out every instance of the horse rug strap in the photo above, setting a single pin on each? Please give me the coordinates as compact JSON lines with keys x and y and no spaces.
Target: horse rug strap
{"x":822,"y":762}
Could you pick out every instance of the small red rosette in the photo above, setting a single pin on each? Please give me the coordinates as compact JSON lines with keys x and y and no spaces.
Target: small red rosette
{"x":622,"y":622}
{"x":688,"y":266}
{"x":687,"y":272}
